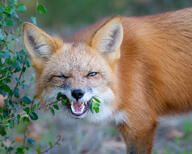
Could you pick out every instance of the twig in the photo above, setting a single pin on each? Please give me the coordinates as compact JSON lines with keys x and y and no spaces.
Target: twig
{"x":59,"y":138}
{"x":24,"y":136}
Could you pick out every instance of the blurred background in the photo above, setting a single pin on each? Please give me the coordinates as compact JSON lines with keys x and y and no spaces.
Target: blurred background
{"x":64,"y":17}
{"x":68,"y":16}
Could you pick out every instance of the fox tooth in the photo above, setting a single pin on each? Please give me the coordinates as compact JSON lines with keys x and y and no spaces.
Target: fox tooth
{"x":72,"y":108}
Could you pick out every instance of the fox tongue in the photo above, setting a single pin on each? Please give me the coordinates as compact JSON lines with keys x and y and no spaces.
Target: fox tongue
{"x":77,"y":108}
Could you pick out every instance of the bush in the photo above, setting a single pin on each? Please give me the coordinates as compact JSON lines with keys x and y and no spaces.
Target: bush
{"x":16,"y":107}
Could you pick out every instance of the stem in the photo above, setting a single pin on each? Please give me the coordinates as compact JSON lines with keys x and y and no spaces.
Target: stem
{"x":20,"y":75}
{"x":5,"y":76}
{"x":32,"y":102}
{"x":1,"y":124}
{"x":24,"y":136}
{"x":59,"y":138}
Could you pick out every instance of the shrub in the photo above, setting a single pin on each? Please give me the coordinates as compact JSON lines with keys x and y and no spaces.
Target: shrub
{"x":16,"y":107}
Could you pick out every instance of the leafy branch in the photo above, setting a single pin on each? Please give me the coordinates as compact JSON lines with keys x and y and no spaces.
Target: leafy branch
{"x":51,"y":145}
{"x":16,"y":107}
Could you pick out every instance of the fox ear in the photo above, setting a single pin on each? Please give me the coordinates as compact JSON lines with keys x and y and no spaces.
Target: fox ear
{"x":39,"y":44}
{"x":108,"y":38}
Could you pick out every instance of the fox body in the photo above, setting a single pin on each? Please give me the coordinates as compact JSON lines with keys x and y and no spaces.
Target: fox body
{"x":139,"y":68}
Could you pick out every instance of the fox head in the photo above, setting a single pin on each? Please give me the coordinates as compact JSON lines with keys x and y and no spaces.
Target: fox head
{"x":79,"y":71}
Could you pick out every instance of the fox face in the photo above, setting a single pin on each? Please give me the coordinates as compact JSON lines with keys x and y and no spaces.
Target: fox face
{"x":79,"y":71}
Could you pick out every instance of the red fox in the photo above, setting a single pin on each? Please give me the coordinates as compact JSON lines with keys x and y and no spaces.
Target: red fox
{"x":140,"y":68}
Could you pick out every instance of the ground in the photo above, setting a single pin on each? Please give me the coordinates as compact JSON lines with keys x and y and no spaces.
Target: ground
{"x":173,"y":136}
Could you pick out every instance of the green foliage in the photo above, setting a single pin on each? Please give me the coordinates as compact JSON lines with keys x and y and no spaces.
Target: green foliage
{"x":21,"y":8}
{"x":95,"y":104}
{"x":54,"y":106}
{"x":41,"y":9}
{"x":51,"y":145}
{"x":16,"y":107}
{"x":187,"y":128}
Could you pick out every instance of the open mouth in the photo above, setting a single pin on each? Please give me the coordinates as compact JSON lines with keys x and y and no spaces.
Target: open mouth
{"x":78,"y":108}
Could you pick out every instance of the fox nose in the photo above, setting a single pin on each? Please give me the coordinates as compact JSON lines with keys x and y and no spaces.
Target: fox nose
{"x":77,"y":93}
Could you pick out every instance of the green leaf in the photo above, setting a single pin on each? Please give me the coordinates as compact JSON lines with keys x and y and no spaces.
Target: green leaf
{"x":26,"y":100}
{"x":64,"y":101}
{"x":50,"y":144}
{"x":21,"y":8}
{"x":21,"y":150}
{"x":41,"y":9}
{"x":96,"y":110}
{"x":52,"y":110}
{"x":30,"y":140}
{"x":58,"y":143}
{"x":96,"y":99}
{"x":5,"y":88}
{"x":34,"y":21}
{"x":2,"y":131}
{"x":59,"y":96}
{"x":26,"y":110}
{"x":33,"y":116}
{"x":34,"y":106}
{"x":38,"y":150}
{"x":91,"y":107}
{"x":26,"y":120}
{"x":16,"y":92}
{"x":18,"y":117}
{"x":96,"y":105}
{"x":56,"y":106}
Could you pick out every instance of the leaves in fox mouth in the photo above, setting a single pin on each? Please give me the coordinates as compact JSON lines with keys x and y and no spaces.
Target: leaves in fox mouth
{"x":95,"y":105}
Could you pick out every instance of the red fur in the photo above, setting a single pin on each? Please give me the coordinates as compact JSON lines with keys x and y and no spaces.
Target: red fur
{"x":154,"y":72}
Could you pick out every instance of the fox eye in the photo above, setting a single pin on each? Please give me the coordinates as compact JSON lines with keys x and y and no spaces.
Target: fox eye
{"x":62,"y":76}
{"x":92,"y":74}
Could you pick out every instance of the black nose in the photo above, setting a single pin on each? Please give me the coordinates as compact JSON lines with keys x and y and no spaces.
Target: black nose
{"x":77,"y":93}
